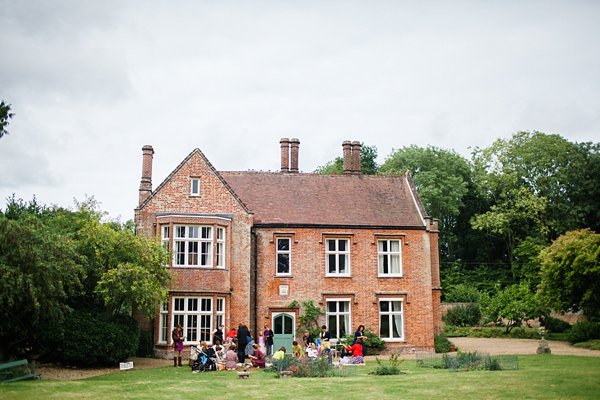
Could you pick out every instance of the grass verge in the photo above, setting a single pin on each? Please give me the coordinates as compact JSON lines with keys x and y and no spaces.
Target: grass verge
{"x":539,"y":376}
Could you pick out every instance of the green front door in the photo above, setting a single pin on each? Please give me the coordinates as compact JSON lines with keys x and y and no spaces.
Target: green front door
{"x":283,"y":331}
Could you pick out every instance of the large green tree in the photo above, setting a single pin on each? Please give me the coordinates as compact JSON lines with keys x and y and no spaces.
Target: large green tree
{"x":442,"y":179}
{"x":571,"y":273}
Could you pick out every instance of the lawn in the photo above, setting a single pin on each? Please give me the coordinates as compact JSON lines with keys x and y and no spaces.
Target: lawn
{"x":539,"y":376}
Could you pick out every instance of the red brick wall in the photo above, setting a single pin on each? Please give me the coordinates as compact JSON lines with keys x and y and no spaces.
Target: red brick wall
{"x":174,"y":197}
{"x":308,"y":281}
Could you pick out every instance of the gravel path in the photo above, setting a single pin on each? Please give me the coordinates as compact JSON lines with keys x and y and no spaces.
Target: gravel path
{"x":465,"y":344}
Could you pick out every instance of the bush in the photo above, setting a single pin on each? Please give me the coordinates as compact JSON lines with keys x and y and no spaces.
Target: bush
{"x":88,"y":339}
{"x":555,"y":325}
{"x":461,"y":293}
{"x":372,"y":344}
{"x":583,"y":331}
{"x":468,"y":315}
{"x":391,"y":369}
{"x":442,"y":344}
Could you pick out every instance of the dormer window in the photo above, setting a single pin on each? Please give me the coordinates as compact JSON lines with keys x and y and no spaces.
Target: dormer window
{"x":195,"y":187}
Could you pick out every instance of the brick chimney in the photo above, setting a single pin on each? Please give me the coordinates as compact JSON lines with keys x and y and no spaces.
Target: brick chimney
{"x":356,"y":157}
{"x":146,"y":183}
{"x":294,"y":147}
{"x":347,"y":146}
{"x":285,"y":154}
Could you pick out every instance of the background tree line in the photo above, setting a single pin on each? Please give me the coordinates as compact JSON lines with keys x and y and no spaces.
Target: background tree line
{"x":501,"y":210}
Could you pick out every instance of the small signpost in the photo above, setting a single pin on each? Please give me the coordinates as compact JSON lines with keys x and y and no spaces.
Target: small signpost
{"x":126,"y":366}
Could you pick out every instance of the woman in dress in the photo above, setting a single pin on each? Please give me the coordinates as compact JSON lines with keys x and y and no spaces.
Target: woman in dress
{"x":231,"y":358}
{"x":357,"y":353}
{"x":258,"y":359}
{"x":178,"y":339}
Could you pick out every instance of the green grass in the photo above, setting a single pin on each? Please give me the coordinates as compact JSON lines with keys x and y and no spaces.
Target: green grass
{"x":592,"y":344}
{"x":539,"y":376}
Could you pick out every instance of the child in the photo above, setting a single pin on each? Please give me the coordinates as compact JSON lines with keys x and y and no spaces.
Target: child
{"x":311,"y":351}
{"x":297,"y":350}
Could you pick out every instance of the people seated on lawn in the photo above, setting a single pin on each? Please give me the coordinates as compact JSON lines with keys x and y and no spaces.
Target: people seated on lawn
{"x":311,"y":351}
{"x":231,"y":358}
{"x":357,"y":353}
{"x":297,"y":350}
{"x":279,"y":354}
{"x":232,"y":334}
{"x":258,"y":359}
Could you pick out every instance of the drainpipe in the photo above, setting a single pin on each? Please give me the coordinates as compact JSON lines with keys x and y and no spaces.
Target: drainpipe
{"x":255,"y":257}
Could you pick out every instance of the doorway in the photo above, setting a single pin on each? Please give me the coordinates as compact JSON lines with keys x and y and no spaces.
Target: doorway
{"x":283,"y":331}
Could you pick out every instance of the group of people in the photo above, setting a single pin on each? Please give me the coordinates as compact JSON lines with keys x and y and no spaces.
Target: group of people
{"x":237,"y":345}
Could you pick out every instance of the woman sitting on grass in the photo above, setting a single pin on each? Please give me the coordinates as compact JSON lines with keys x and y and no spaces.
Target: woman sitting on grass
{"x":357,"y":352}
{"x":258,"y":359}
{"x":231,"y":358}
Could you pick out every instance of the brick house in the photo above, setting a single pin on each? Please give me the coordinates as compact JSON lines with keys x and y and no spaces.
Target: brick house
{"x":246,"y":244}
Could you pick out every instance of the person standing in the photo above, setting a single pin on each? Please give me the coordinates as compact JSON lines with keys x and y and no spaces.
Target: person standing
{"x":360,"y":335}
{"x":242,"y":341}
{"x":178,"y":339}
{"x":268,"y":335}
{"x":217,"y":335}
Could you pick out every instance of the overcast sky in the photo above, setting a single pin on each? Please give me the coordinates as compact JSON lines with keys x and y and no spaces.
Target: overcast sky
{"x":91,"y":82}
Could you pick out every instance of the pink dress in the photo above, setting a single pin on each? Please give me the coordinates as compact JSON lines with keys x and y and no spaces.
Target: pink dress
{"x":231,"y":360}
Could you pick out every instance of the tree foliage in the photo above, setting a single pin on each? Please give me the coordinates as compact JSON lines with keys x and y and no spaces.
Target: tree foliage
{"x":571,"y":273}
{"x":5,"y":115}
{"x":515,"y":304}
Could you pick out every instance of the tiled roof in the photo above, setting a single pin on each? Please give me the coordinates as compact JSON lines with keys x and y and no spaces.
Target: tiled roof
{"x":297,"y":198}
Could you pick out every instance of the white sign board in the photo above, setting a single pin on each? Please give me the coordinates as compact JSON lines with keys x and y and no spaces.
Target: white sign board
{"x":126,"y":365}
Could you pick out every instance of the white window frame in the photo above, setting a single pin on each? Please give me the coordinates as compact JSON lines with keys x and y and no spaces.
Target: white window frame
{"x":165,"y":236}
{"x":163,"y":330}
{"x":287,"y":252}
{"x":220,"y":312}
{"x":195,"y":191}
{"x":220,"y":247}
{"x":387,"y":256}
{"x":389,"y":314}
{"x":197,"y":245}
{"x":337,"y":253}
{"x":196,"y":314}
{"x":339,"y":314}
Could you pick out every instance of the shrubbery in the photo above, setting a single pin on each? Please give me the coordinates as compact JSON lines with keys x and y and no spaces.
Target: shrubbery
{"x":88,"y":339}
{"x":372,"y":344}
{"x":146,"y":345}
{"x":392,"y":369}
{"x":554,"y":325}
{"x":583,"y":331}
{"x":462,"y":293}
{"x":468,"y":315}
{"x":442,"y":344}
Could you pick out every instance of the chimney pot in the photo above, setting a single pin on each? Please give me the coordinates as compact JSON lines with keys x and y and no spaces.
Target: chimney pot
{"x":146,"y":182}
{"x":285,"y":154}
{"x":356,"y":157}
{"x":347,"y":146}
{"x":294,"y":148}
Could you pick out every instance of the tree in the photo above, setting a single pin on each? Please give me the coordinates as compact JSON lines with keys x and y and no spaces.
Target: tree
{"x":124,"y":271}
{"x":441,"y":178}
{"x":515,"y":303}
{"x":368,"y":165}
{"x":570,"y":270}
{"x":39,"y":270}
{"x":5,"y":115}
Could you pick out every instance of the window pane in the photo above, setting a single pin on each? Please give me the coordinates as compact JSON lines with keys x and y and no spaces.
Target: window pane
{"x":383,"y":245}
{"x":331,"y":245}
{"x":332,"y":306}
{"x":206,"y":232}
{"x":180,"y":231}
{"x":283,"y":263}
{"x":344,"y":320}
{"x":342,"y":245}
{"x":332,"y":324}
{"x":178,"y":304}
{"x":385,"y":266}
{"x":332,"y":268}
{"x":395,"y":246}
{"x":288,"y":329}
{"x":384,"y":326}
{"x":342,"y":264}
{"x":192,"y":253}
{"x":397,"y":326}
{"x":192,"y":304}
{"x":384,"y":306}
{"x":283,"y":244}
{"x":193,"y":232}
{"x":278,"y":328}
{"x":194,"y":186}
{"x":220,"y":233}
{"x":343,"y":305}
{"x":396,"y":306}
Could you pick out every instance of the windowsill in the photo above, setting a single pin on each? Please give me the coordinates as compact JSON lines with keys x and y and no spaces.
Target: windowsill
{"x":194,"y":195}
{"x":391,"y":276}
{"x":284,"y":276}
{"x":394,"y":340}
{"x":196,"y":267}
{"x":338,"y":276}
